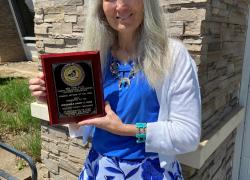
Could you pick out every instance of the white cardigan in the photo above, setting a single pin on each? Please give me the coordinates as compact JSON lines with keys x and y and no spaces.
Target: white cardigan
{"x":178,"y":127}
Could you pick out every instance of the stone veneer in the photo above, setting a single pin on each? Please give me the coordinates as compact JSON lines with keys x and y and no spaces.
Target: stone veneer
{"x":11,"y":48}
{"x":214,"y":32}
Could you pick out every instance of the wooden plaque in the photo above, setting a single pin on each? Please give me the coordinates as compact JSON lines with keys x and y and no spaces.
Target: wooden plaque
{"x":74,"y":86}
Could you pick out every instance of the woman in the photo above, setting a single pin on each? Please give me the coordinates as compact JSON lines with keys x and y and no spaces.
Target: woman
{"x":151,"y":89}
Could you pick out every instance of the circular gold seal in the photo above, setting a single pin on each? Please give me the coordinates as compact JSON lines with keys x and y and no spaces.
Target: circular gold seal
{"x":72,"y":74}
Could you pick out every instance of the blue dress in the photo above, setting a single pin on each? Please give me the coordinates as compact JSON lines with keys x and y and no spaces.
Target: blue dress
{"x":120,"y":157}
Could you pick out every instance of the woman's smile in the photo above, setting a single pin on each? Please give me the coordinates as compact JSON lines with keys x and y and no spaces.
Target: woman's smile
{"x":124,"y":15}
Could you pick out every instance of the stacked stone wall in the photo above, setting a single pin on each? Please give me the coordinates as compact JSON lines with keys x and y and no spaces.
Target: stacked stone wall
{"x":62,"y":156}
{"x":217,"y":43}
{"x":224,"y":32}
{"x":218,"y":166}
{"x":59,"y":25}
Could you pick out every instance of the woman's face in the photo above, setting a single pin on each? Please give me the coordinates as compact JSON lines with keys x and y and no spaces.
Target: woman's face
{"x":124,"y":15}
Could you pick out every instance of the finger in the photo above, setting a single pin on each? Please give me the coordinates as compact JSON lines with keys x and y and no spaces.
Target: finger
{"x":33,"y":81}
{"x":87,"y":122}
{"x":37,"y":88}
{"x":41,"y":75}
{"x":108,"y":108}
{"x":38,"y":94}
{"x":36,"y":81}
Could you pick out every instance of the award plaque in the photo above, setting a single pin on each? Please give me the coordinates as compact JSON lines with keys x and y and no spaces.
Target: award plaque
{"x":74,"y":86}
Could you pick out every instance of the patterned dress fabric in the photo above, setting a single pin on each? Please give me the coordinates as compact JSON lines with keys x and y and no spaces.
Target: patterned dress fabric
{"x":98,"y":167}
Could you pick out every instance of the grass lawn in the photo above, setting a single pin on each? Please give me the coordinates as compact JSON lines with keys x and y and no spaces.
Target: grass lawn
{"x":15,"y":118}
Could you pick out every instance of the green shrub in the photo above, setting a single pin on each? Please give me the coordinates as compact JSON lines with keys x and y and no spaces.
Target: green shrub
{"x":15,"y":116}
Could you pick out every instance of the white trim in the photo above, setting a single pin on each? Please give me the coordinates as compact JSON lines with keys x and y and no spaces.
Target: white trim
{"x":40,"y":111}
{"x":243,"y":101}
{"x":18,"y":29}
{"x":245,"y":150}
{"x":29,"y":38}
{"x":194,"y":159}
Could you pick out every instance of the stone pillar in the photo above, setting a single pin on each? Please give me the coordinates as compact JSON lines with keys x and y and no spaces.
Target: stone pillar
{"x":59,"y":28}
{"x":58,"y":25}
{"x":62,"y":156}
{"x":214,"y":31}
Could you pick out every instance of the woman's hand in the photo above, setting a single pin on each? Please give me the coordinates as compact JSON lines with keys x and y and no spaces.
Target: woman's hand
{"x":37,"y":88}
{"x":111,"y":123}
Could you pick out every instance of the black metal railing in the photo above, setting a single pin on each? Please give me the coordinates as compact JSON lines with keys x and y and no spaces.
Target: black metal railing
{"x":27,"y":158}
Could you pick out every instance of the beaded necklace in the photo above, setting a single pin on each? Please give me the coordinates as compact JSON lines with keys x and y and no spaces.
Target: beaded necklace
{"x":122,"y":80}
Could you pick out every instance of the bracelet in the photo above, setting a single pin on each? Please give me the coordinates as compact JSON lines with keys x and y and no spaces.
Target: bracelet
{"x":141,"y":135}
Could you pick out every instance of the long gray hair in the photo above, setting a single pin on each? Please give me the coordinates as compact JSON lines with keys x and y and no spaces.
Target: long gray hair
{"x":152,"y":48}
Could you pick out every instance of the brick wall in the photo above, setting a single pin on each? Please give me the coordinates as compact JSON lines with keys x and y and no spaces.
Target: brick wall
{"x":10,"y":45}
{"x":214,"y":32}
